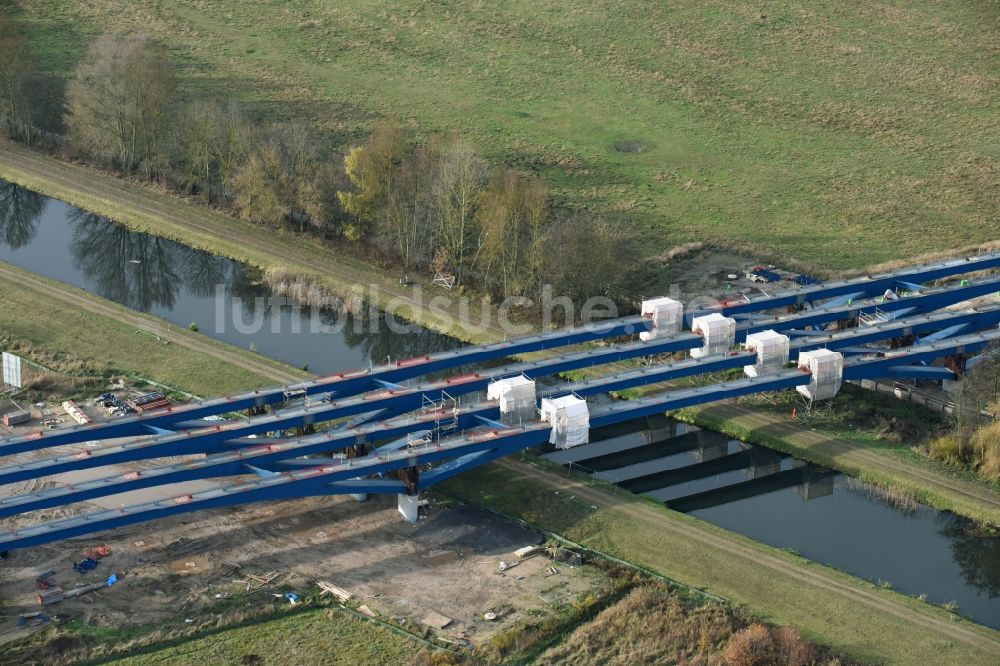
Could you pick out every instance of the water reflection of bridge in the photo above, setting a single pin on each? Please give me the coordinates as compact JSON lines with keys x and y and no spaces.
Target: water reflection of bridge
{"x":660,"y":456}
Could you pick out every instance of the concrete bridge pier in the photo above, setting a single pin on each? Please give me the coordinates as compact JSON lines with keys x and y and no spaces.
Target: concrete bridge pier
{"x":765,"y":463}
{"x":409,"y":504}
{"x":711,"y":445}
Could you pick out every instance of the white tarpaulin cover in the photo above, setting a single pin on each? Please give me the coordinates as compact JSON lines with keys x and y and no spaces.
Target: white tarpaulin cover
{"x":516,"y":396}
{"x":771,"y":348}
{"x":718,"y":332}
{"x":570,"y":419}
{"x":827,"y":370}
{"x":11,"y":370}
{"x":667,"y":316}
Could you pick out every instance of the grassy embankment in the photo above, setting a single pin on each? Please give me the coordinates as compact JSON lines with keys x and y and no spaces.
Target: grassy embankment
{"x":70,"y":335}
{"x":314,"y":636}
{"x":827,"y":606}
{"x":842,"y":134}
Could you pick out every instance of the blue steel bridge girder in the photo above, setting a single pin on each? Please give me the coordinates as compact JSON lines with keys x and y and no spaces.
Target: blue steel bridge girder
{"x":135,"y":426}
{"x":297,"y":484}
{"x":235,"y":463}
{"x":304,"y":483}
{"x":948,"y":332}
{"x":909,"y":286}
{"x":345,"y":384}
{"x":473,"y":415}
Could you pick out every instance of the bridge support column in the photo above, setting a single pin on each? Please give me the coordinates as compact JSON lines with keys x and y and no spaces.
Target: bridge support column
{"x":409,"y":504}
{"x":764,"y":463}
{"x":956,"y":363}
{"x":711,"y":445}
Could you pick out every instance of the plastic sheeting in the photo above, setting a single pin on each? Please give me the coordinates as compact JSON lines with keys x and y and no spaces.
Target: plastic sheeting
{"x":771,"y":348}
{"x":570,"y":419}
{"x":718,"y":332}
{"x":667,"y":316}
{"x":827,"y":370}
{"x":516,"y":396}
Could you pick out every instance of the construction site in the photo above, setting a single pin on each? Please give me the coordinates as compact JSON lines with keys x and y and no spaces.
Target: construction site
{"x":327,"y":489}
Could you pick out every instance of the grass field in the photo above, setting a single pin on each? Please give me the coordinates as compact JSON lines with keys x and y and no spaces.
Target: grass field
{"x":826,"y":606}
{"x":73,"y":338}
{"x":318,"y":636}
{"x":843,"y":134}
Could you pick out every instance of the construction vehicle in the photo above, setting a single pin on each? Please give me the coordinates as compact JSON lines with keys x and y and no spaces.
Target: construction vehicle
{"x":88,"y":564}
{"x":97,"y":553}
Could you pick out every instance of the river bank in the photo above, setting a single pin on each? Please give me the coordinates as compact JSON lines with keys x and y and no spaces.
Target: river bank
{"x":880,"y":465}
{"x":99,"y":337}
{"x":867,"y":622}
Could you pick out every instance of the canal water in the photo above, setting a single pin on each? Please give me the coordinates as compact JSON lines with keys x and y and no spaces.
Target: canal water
{"x":177,"y":283}
{"x":824,"y":516}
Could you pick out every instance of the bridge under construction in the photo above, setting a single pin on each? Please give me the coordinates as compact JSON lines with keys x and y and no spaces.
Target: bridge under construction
{"x":383,"y":430}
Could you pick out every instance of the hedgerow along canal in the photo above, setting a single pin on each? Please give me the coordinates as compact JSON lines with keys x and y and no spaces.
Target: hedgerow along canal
{"x":844,"y":523}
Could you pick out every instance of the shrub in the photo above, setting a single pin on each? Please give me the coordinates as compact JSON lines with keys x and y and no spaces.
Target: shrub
{"x":986,"y":444}
{"x":946,"y":448}
{"x":752,"y":646}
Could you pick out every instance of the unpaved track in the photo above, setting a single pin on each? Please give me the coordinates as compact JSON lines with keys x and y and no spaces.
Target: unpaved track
{"x":95,"y":305}
{"x":779,"y":566}
{"x":748,"y":417}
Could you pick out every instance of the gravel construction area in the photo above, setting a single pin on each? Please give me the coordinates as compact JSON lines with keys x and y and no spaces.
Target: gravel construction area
{"x":447,"y":564}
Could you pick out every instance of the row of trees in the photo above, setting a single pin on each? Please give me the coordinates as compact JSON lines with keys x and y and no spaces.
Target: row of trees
{"x":435,"y":205}
{"x":441,"y":205}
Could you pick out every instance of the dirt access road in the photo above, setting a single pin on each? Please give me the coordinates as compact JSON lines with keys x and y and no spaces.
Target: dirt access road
{"x":670,"y":528}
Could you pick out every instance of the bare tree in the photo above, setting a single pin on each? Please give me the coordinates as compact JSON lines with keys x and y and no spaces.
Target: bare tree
{"x":459,"y":180}
{"x":16,"y":68}
{"x":581,"y":256}
{"x":512,"y":211}
{"x":978,"y":402}
{"x":258,"y":188}
{"x":404,"y":223}
{"x":117,"y":102}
